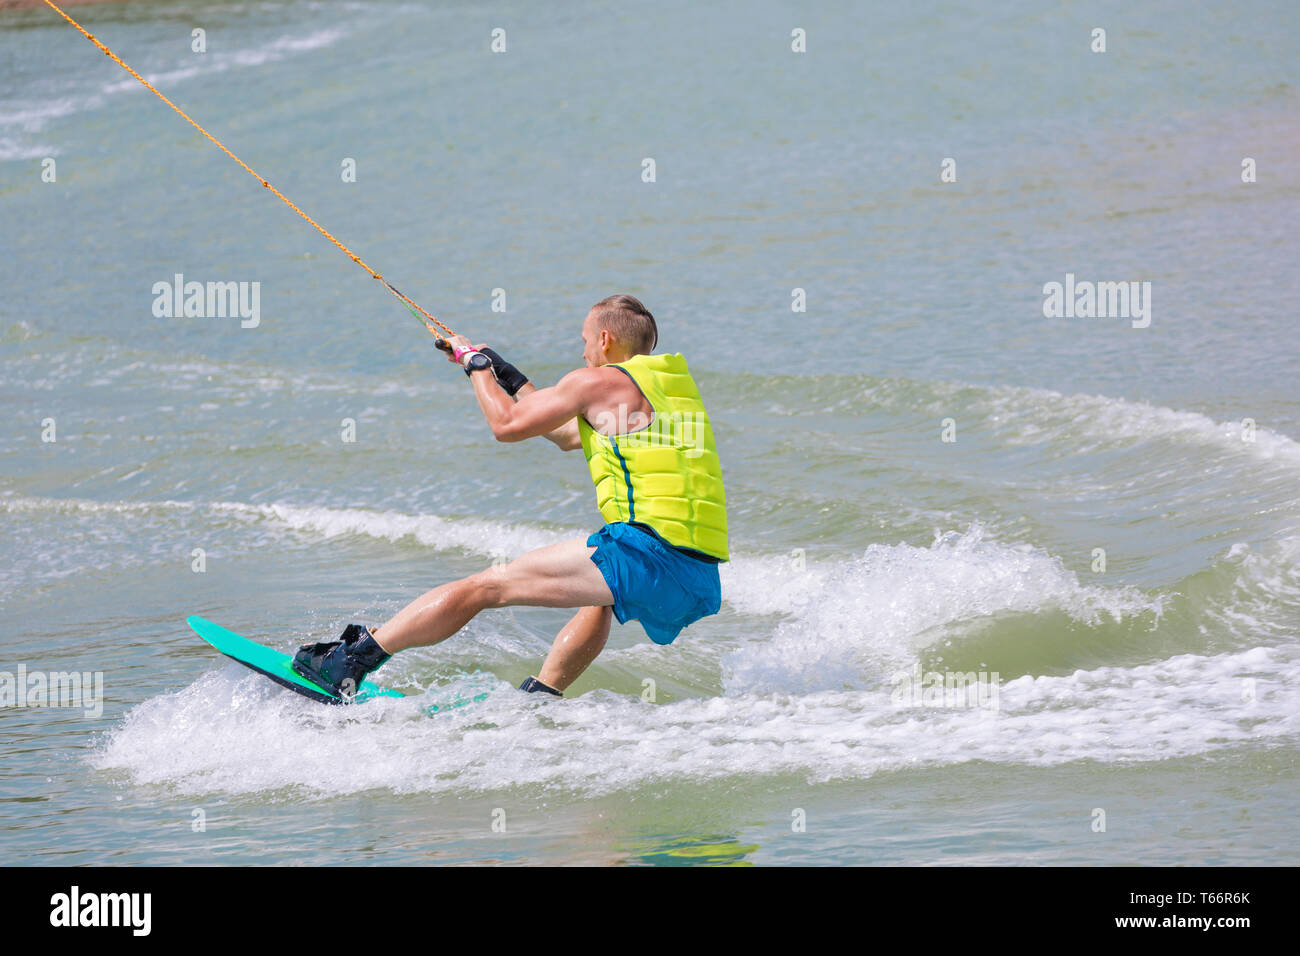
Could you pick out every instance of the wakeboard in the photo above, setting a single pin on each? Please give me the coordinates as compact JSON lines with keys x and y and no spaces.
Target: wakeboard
{"x":278,"y":666}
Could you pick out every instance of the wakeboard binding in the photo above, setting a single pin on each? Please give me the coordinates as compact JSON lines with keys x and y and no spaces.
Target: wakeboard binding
{"x":341,"y":665}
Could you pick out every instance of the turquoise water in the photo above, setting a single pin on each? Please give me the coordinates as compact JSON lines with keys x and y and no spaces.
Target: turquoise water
{"x":1162,"y":690}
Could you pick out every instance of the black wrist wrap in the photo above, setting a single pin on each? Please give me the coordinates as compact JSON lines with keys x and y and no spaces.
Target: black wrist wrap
{"x":509,"y":377}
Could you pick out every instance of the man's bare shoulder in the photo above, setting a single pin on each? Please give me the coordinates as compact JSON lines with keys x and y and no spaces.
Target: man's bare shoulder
{"x":596,"y":382}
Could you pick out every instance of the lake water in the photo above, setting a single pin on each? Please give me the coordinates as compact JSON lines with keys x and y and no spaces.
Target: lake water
{"x":925,"y":474}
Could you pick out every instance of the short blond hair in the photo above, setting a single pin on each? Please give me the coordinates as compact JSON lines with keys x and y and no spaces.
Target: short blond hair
{"x":629,"y":322}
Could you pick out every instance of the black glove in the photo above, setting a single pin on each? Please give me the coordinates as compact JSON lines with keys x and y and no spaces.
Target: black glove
{"x":508,"y":377}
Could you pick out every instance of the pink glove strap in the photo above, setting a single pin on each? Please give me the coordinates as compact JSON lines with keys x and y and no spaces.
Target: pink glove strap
{"x":460,"y":353}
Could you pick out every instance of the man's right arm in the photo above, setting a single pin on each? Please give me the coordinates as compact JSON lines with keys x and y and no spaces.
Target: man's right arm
{"x":566,"y":437}
{"x":541,"y":412}
{"x":516,"y":384}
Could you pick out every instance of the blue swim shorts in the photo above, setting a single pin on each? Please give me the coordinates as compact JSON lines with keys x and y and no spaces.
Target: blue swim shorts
{"x":653,"y":582}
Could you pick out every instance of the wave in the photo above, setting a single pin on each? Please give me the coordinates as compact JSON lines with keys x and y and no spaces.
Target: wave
{"x":233,"y":732}
{"x":219,"y":62}
{"x":968,"y":599}
{"x":494,"y":539}
{"x":1077,"y":423}
{"x":852,"y":621}
{"x":21,"y":120}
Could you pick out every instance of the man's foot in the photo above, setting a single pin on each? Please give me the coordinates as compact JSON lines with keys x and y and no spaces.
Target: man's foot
{"x":341,"y":665}
{"x":533,"y":685}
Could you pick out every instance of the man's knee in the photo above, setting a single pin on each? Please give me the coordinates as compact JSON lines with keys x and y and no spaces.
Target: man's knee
{"x":490,"y":587}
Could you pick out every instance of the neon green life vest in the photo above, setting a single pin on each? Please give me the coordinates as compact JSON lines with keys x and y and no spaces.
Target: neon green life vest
{"x":666,"y":475}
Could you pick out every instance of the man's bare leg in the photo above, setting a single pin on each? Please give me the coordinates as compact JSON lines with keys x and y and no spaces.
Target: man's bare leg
{"x":576,"y":646}
{"x":559,"y":575}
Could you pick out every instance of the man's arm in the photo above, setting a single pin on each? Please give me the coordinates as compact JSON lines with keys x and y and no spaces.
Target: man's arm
{"x":566,"y":437}
{"x":540,"y":412}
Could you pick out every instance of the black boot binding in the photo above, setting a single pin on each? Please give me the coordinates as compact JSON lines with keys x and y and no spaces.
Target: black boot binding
{"x":341,"y":665}
{"x":533,"y":685}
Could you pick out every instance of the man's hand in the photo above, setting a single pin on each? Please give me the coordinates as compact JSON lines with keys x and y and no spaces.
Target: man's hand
{"x":459,"y":342}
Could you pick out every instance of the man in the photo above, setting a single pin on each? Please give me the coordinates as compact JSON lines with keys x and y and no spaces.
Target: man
{"x":639,"y":421}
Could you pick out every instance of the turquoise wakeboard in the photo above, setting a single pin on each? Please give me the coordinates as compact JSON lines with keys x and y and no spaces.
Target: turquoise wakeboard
{"x":275,"y":665}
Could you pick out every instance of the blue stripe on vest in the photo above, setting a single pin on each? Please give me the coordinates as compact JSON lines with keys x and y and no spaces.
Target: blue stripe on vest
{"x":627,"y":477}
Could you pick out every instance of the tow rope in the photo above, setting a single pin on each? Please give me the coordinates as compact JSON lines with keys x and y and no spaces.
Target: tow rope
{"x":427,"y":320}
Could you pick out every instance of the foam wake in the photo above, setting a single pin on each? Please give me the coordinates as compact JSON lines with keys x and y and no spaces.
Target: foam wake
{"x":851,"y":621}
{"x":233,"y":732}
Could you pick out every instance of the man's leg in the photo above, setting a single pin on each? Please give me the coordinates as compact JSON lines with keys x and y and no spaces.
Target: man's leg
{"x":576,"y":646}
{"x":559,"y":575}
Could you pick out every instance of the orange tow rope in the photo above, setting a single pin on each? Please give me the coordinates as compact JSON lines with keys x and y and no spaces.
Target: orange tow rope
{"x":410,"y":303}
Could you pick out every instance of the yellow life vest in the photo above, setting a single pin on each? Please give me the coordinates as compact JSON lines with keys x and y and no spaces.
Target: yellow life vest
{"x":666,"y":475}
